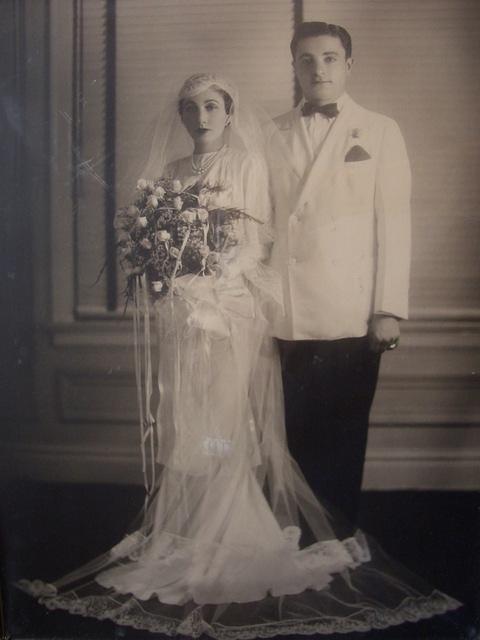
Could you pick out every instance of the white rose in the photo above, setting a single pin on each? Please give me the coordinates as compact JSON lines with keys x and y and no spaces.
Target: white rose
{"x":177,"y":186}
{"x":133,"y":211}
{"x":157,"y":285}
{"x":142,"y":184}
{"x":177,"y":203}
{"x":163,"y":236}
{"x":142,"y":221}
{"x":159,"y":192}
{"x":152,"y":201}
{"x":189,"y":215}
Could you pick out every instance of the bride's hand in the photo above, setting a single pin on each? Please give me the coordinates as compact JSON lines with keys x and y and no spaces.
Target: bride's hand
{"x":213,"y":263}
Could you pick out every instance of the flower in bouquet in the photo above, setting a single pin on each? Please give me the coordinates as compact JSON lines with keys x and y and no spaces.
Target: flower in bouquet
{"x":189,"y":216}
{"x":171,"y":230}
{"x":142,"y":184}
{"x":163,"y":236}
{"x":152,"y":202}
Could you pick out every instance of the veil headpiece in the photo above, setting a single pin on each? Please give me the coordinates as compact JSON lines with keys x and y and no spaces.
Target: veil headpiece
{"x":201,"y":81}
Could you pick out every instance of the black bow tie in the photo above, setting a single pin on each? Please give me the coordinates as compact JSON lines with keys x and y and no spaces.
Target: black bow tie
{"x":327,"y":110}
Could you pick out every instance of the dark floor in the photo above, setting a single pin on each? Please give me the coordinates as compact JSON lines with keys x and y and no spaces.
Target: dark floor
{"x":47,"y":530}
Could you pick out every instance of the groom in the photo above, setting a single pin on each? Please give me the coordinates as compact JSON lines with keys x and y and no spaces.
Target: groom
{"x":343,"y":248}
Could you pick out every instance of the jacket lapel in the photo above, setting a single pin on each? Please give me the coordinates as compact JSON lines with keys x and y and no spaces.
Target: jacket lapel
{"x":330,"y":154}
{"x":292,"y":148}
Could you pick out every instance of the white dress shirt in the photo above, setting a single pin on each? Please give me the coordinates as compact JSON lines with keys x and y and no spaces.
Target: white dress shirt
{"x":318,"y":126}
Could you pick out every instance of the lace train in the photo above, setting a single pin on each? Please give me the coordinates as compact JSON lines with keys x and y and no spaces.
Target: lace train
{"x":128,"y":610}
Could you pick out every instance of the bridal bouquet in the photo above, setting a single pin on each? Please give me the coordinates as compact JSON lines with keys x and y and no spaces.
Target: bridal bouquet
{"x":170,"y":231}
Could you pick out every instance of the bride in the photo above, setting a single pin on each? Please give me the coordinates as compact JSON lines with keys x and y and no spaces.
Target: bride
{"x":232,"y":542}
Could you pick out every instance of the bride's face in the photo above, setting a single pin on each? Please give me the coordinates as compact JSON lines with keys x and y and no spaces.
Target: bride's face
{"x":205,"y":118}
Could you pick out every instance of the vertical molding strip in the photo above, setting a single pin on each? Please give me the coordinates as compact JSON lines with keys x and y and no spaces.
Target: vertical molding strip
{"x":17,"y":321}
{"x":21,"y":159}
{"x":47,"y":137}
{"x":76,"y":152}
{"x":110,"y":149}
{"x":297,"y":19}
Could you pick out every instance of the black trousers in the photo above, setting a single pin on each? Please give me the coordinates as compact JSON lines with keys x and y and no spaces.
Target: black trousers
{"x":329,"y":387}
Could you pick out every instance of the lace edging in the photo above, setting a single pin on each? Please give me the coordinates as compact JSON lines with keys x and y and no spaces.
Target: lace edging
{"x":132,"y":614}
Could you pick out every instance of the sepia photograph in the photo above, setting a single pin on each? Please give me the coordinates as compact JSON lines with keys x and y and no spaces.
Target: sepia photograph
{"x":240,"y":264}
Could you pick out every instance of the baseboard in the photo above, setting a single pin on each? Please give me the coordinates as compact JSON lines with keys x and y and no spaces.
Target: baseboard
{"x":440,"y":457}
{"x":423,"y":458}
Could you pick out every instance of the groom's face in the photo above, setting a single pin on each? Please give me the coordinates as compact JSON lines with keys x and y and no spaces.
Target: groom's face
{"x":322,"y":68}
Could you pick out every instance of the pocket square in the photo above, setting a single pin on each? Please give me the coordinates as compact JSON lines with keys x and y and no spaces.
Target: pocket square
{"x":357,"y":153}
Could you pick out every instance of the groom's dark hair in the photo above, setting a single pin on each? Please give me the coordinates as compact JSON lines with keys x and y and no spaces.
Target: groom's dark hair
{"x":312,"y":29}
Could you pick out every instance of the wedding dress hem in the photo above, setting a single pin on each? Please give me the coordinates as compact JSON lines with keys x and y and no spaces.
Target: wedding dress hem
{"x":131,"y":613}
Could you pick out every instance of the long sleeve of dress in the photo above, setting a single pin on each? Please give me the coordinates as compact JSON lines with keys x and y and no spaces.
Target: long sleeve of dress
{"x":254,"y":230}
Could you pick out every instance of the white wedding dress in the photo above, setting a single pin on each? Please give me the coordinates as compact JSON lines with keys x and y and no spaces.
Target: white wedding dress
{"x":232,"y":542}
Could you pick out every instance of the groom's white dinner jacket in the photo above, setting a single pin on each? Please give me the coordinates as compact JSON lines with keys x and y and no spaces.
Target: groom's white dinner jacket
{"x":342,"y":218}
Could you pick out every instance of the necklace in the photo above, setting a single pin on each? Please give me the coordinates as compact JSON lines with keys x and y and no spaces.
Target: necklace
{"x":202,"y":162}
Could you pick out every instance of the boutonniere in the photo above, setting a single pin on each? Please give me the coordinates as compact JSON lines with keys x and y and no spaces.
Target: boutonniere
{"x":356,"y":151}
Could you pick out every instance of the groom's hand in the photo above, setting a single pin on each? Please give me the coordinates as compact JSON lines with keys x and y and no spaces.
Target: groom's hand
{"x":383,"y":332}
